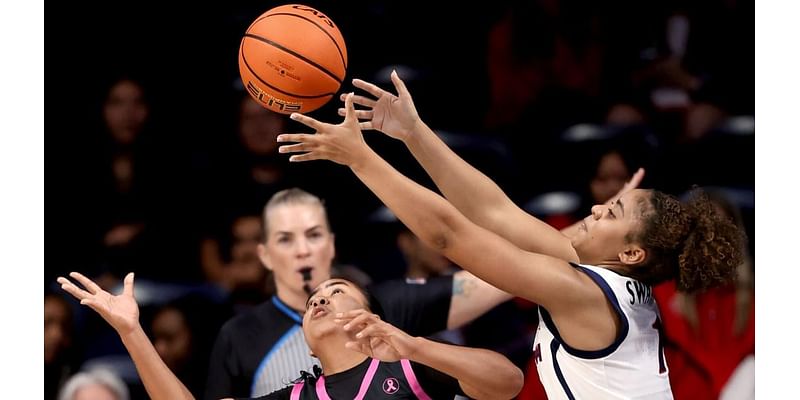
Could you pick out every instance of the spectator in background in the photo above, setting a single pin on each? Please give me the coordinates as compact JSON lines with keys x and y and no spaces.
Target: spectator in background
{"x":126,"y":193}
{"x":58,"y":330}
{"x":251,"y":172}
{"x":183,"y":333}
{"x":235,"y":267}
{"x":96,"y":384}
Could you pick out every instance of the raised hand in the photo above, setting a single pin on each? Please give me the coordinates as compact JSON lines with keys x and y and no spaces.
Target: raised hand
{"x":376,"y":338}
{"x":121,"y":311}
{"x":341,"y":143}
{"x":633,"y":183}
{"x":393,"y":115}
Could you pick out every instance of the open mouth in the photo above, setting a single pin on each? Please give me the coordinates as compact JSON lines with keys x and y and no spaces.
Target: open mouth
{"x":319,"y":312}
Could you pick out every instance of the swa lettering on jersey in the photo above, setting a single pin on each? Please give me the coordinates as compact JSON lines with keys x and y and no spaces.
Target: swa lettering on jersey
{"x":537,"y":353}
{"x":640,"y":293}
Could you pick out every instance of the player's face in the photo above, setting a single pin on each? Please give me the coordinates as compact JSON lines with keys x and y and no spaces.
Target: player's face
{"x":601,"y":238}
{"x":331,"y":297}
{"x":298,"y":242}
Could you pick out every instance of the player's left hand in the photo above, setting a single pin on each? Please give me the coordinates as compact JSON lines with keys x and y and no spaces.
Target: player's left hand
{"x":342,"y":143}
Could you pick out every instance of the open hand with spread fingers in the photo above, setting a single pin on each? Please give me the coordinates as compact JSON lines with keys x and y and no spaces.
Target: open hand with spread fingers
{"x":375,"y":337}
{"x":342,"y":143}
{"x":396,"y":116}
{"x":121,"y":311}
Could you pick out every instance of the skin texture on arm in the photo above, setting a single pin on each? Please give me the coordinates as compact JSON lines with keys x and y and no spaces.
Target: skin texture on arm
{"x":539,"y":278}
{"x":472,"y":298}
{"x":469,"y":190}
{"x":482,"y":374}
{"x":122,"y":313}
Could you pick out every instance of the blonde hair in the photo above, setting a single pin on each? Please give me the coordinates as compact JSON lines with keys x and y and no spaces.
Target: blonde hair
{"x":292,"y":196}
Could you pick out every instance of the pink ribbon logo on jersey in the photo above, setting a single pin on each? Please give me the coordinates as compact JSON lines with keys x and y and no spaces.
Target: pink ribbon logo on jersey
{"x":390,"y":386}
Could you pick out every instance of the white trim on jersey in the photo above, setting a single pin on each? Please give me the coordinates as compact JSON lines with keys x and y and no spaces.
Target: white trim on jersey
{"x":632,"y":367}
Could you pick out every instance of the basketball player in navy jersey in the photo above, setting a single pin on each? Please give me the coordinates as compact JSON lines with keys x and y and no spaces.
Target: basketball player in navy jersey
{"x":600,"y":332}
{"x":361,"y":356}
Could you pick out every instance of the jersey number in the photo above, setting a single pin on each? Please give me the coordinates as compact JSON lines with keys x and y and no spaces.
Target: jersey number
{"x":662,"y":366}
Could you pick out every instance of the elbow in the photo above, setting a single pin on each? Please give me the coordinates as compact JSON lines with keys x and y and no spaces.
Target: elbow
{"x":512,"y":384}
{"x":504,"y":386}
{"x":515,"y":382}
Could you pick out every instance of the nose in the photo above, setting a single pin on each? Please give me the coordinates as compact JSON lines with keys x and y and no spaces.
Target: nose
{"x":320,"y":302}
{"x":302,"y":248}
{"x":597,"y":211}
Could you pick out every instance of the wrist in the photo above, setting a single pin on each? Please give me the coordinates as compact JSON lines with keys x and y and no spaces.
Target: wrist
{"x":131,"y":333}
{"x":415,"y":132}
{"x":358,"y":162}
{"x":414,"y":350}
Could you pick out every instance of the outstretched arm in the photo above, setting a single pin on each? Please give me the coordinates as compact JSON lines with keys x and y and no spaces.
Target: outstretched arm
{"x":542,"y":279}
{"x":472,"y":297}
{"x":122,"y":313}
{"x":482,"y":374}
{"x":469,"y":190}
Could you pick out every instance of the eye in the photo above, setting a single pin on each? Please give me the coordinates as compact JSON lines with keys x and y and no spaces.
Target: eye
{"x":611,"y":214}
{"x":336,"y":291}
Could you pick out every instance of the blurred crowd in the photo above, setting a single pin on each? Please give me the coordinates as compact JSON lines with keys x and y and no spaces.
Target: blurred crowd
{"x":176,"y":194}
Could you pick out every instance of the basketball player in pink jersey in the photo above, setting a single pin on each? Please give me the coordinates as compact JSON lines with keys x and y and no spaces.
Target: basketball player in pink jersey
{"x":361,"y":355}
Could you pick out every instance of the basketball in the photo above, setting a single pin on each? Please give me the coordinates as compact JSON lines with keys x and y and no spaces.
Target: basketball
{"x":292,"y":58}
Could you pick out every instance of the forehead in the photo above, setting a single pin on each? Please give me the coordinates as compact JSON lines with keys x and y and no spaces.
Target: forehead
{"x":336,"y":283}
{"x":634,"y":201}
{"x":295,"y":216}
{"x":332,"y":282}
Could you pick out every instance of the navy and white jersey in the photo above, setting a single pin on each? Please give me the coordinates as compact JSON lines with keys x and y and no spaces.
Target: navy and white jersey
{"x":632,"y":367}
{"x":264,"y":349}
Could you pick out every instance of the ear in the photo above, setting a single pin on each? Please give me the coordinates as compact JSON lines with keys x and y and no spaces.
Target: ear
{"x":632,"y":255}
{"x":264,"y":256}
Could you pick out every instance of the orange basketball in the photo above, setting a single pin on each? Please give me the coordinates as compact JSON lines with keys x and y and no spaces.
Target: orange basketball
{"x":292,"y":59}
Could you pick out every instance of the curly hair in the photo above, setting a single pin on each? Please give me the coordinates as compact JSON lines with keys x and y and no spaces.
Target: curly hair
{"x":689,"y":242}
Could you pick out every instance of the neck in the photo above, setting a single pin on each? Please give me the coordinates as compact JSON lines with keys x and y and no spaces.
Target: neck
{"x":334,"y":357}
{"x":416,"y":271}
{"x":294,"y":299}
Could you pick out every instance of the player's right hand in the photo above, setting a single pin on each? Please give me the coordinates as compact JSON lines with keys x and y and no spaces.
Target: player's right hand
{"x":121,"y":311}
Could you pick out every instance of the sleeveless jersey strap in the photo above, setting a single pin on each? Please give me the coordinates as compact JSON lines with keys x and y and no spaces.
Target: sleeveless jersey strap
{"x":373,"y":366}
{"x":296,"y":390}
{"x":412,"y":380}
{"x":362,"y":391}
{"x":322,"y":394}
